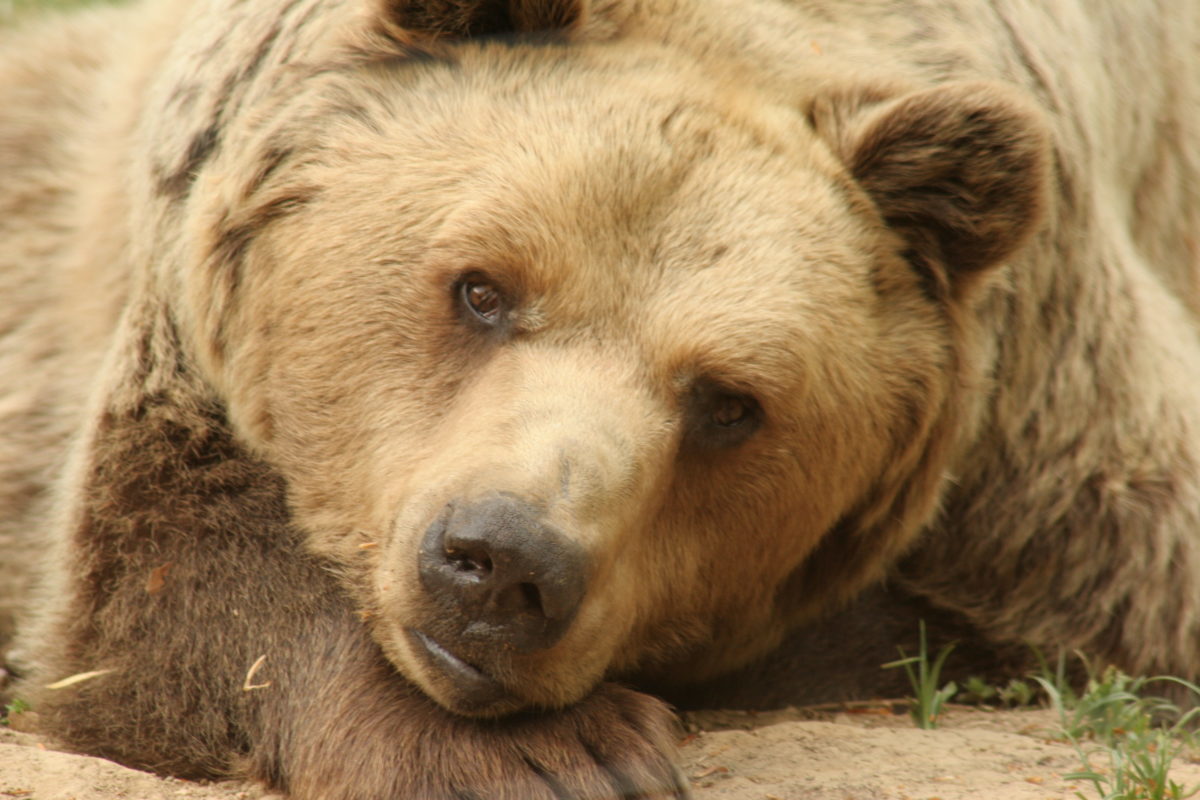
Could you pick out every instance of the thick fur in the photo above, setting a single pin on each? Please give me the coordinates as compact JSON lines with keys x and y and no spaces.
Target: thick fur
{"x":942,"y":255}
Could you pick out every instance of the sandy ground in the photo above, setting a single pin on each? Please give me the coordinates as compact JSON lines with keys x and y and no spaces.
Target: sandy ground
{"x":31,"y":772}
{"x":871,"y":755}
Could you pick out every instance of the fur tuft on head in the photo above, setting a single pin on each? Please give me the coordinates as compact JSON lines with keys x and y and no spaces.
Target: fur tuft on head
{"x":441,"y":20}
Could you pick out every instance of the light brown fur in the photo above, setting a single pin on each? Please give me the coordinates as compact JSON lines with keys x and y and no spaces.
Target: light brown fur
{"x":951,"y":266}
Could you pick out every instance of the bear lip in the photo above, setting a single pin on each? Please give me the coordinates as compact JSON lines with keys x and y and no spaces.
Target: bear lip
{"x":472,"y":691}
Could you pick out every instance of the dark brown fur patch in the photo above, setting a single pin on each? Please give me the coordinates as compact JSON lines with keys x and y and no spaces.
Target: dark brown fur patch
{"x":462,"y":19}
{"x":229,"y":252}
{"x":176,"y":183}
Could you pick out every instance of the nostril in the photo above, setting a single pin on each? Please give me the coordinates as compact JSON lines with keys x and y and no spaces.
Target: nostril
{"x":520,"y":598}
{"x":532,"y":596}
{"x":464,"y":561}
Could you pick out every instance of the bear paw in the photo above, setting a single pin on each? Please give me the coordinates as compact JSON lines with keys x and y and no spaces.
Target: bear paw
{"x":615,"y":743}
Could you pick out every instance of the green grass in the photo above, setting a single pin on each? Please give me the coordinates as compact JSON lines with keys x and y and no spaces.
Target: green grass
{"x":928,"y":697}
{"x":1127,"y":738}
{"x":17,"y":706}
{"x":1016,"y":693}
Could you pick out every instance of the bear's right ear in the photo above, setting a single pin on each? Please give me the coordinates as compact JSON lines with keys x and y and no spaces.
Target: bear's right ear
{"x":960,"y":171}
{"x":429,"y":21}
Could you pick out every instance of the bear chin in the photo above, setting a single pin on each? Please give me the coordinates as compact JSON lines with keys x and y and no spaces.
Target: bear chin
{"x":459,"y":686}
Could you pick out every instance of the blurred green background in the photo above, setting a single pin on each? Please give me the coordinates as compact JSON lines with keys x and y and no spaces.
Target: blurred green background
{"x":12,"y":9}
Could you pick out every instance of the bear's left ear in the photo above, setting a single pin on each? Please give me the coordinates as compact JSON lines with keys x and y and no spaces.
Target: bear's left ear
{"x":960,"y":171}
{"x":440,"y":20}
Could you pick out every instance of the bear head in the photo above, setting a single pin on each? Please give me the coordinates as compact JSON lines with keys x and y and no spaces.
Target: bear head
{"x":580,"y":358}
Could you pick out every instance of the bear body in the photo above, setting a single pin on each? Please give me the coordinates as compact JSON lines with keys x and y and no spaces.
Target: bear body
{"x":424,"y":367}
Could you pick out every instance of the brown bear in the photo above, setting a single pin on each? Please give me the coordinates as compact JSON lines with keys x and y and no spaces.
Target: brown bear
{"x":384,"y":380}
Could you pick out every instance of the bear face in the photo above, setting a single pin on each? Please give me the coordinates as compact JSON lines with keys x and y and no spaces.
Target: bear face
{"x":578,"y":378}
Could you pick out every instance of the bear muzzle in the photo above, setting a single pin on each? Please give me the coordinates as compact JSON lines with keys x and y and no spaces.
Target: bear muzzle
{"x":508,"y":579}
{"x":503,"y":581}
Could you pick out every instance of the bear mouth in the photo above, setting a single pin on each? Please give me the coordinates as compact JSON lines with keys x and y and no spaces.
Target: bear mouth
{"x":471,"y":691}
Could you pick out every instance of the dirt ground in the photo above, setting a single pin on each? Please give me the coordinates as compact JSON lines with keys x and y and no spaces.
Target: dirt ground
{"x":869,"y":754}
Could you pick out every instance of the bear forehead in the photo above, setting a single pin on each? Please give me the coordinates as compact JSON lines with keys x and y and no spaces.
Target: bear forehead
{"x":714,"y":233}
{"x":588,"y":131}
{"x":569,"y":182}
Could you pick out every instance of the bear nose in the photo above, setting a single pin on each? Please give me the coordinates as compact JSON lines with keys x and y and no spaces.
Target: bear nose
{"x":505,"y":576}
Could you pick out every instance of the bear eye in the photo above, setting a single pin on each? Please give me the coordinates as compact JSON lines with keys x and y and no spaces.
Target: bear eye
{"x":484,"y":300}
{"x":730,"y":410}
{"x":720,"y":418}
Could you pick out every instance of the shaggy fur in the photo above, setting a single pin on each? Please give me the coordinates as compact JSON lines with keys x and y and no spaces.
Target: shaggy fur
{"x":788,"y":304}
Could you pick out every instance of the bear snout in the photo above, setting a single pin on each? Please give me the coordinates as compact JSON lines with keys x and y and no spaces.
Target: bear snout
{"x":501,"y":574}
